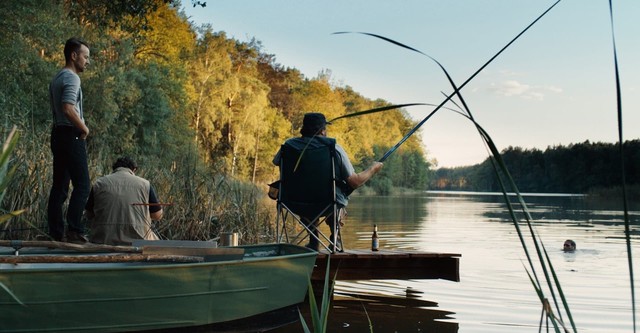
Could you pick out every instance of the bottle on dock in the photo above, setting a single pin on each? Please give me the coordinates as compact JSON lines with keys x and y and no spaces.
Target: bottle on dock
{"x":375,"y":243}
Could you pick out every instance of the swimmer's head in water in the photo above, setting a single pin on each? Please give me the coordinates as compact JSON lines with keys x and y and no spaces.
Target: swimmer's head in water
{"x":569,"y":245}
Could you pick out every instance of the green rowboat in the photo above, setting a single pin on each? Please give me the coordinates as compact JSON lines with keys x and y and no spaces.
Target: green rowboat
{"x":45,"y":290}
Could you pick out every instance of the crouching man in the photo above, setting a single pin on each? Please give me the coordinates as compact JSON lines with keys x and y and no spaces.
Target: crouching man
{"x":121,"y":206}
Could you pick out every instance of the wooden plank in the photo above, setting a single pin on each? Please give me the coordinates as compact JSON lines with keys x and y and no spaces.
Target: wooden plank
{"x":401,"y":265}
{"x":175,"y":243}
{"x":87,"y":247}
{"x":209,"y":254}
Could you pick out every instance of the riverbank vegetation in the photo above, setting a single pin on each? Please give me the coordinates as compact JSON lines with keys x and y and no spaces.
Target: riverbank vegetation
{"x":203,"y":114}
{"x":588,"y":168}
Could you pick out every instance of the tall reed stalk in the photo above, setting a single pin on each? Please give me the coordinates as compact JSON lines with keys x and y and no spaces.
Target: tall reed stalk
{"x":625,"y":205}
{"x":319,"y":314}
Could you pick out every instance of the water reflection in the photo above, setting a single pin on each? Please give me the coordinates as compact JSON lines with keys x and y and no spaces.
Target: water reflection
{"x":495,"y":294}
{"x":574,"y":212}
{"x":358,"y":305}
{"x":374,"y":209}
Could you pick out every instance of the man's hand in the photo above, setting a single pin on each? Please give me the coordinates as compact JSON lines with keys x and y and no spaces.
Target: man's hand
{"x":376,"y":167}
{"x":85,"y":132}
{"x":358,"y":179}
{"x":69,"y":111}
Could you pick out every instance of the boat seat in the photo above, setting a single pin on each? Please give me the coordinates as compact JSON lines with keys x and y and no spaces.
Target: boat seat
{"x":209,"y":250}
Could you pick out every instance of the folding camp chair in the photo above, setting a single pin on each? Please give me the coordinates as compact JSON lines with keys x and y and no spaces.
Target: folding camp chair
{"x":307,"y":193}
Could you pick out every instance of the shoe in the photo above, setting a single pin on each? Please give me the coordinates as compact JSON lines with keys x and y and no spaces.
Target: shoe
{"x":76,"y":238}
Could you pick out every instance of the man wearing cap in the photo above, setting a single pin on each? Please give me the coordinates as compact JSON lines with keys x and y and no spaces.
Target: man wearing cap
{"x":315,"y":125}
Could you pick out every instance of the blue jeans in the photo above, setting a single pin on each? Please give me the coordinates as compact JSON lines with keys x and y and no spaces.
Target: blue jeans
{"x":69,"y":165}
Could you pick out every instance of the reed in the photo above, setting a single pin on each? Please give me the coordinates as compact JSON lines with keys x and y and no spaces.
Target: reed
{"x":203,"y":203}
{"x":319,"y":314}
{"x":507,"y":185}
{"x":506,"y":181}
{"x":625,"y":203}
{"x":6,"y":172}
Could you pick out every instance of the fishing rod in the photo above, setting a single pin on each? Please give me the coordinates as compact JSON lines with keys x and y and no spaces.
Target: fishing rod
{"x":380,"y":109}
{"x":152,"y":204}
{"x":392,"y":107}
{"x":413,"y":130}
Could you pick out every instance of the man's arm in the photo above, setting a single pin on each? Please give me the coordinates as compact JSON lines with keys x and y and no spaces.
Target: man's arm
{"x":358,"y":179}
{"x":157,"y":216}
{"x":69,"y":111}
{"x":155,"y":211}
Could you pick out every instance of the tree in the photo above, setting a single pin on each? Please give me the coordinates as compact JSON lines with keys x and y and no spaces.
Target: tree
{"x":210,"y":67}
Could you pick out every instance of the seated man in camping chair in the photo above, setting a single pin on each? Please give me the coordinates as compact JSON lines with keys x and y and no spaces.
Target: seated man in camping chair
{"x":314,"y":132}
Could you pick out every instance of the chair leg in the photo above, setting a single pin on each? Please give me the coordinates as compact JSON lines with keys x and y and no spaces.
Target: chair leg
{"x":335,"y":240}
{"x":317,"y":238}
{"x":279,"y":216}
{"x":339,"y":246}
{"x":281,"y":225}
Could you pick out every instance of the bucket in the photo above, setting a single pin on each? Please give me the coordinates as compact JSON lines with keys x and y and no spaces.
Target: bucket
{"x":229,"y":239}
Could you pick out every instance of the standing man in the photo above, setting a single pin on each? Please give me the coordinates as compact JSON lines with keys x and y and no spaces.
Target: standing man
{"x":121,"y":206}
{"x":68,"y":145}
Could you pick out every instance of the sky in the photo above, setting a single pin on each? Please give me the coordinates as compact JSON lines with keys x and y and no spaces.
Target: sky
{"x":555,"y":85}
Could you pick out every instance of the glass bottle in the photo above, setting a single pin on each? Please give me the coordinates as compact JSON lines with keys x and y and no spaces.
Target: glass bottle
{"x":375,"y":242}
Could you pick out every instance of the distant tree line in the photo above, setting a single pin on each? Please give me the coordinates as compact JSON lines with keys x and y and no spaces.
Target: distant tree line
{"x":576,"y":168}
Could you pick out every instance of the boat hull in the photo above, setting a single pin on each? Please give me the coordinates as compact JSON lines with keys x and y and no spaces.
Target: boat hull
{"x":129,"y":297}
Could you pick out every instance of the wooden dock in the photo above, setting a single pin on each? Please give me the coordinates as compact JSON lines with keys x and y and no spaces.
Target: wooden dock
{"x":388,"y":264}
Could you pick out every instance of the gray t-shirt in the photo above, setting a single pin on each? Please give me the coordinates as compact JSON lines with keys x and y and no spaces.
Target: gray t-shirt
{"x":65,"y":88}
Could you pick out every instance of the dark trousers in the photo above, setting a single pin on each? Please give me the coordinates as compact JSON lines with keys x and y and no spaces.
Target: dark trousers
{"x":314,"y":234}
{"x":69,"y":165}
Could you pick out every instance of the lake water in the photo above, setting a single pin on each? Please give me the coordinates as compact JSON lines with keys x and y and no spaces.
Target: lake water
{"x":494,"y":294}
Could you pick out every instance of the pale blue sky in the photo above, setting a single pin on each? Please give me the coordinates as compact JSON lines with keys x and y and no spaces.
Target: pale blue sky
{"x":555,"y":85}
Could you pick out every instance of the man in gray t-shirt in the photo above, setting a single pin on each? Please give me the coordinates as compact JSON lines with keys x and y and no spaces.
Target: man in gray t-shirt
{"x":68,"y":146}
